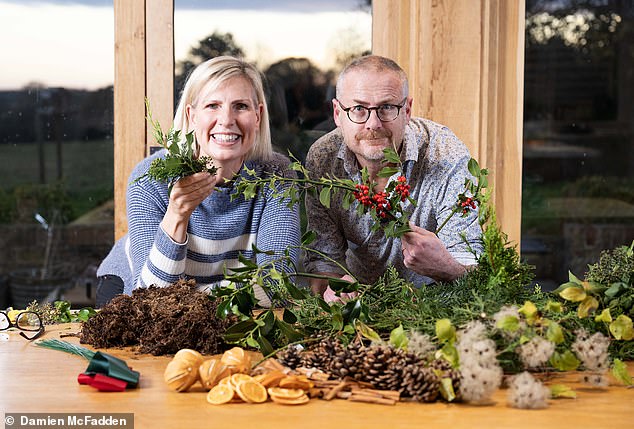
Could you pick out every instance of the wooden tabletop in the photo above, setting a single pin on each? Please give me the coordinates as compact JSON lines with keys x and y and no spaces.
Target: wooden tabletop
{"x":39,"y":380}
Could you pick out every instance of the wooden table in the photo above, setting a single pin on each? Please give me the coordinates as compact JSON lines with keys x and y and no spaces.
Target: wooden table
{"x":35,"y":379}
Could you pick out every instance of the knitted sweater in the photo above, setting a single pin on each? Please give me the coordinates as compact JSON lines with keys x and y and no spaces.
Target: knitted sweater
{"x":219,"y":230}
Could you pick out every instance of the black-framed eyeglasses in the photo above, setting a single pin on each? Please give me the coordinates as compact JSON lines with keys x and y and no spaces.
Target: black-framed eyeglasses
{"x":26,"y":321}
{"x":385,"y":112}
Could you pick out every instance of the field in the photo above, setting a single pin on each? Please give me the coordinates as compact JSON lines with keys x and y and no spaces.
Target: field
{"x":87,"y":169}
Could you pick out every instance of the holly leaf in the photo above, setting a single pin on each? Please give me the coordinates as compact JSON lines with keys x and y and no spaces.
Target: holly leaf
{"x":473,"y":167}
{"x":391,"y":156}
{"x":308,"y":237}
{"x":388,"y":171}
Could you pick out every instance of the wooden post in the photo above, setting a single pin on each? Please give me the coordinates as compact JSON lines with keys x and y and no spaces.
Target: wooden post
{"x":464,"y":60}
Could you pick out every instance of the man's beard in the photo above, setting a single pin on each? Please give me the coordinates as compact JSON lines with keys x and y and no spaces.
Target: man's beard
{"x":372,"y":153}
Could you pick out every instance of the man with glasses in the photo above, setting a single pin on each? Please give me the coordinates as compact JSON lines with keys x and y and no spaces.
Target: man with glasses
{"x":372,"y":111}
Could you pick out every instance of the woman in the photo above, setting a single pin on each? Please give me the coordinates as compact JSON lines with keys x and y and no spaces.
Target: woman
{"x":196,"y":230}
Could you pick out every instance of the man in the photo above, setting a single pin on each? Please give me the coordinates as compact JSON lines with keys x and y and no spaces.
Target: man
{"x":372,"y":112}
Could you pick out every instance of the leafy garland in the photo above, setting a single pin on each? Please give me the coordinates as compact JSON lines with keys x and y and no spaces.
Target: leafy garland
{"x":496,"y":293}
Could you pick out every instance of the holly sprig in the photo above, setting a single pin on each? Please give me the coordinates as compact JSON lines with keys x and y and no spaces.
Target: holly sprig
{"x":473,"y":195}
{"x":385,"y":207}
{"x":180,"y":160}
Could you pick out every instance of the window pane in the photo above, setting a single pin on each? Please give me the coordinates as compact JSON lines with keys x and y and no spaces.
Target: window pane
{"x":300,"y":46}
{"x":56,"y":148}
{"x":578,"y":173}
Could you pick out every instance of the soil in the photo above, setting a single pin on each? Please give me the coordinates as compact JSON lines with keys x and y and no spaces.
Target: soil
{"x":159,"y":321}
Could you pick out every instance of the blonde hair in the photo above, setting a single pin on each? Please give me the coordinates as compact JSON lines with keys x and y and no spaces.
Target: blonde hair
{"x":218,"y":70}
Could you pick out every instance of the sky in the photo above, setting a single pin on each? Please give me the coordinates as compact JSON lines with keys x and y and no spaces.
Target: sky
{"x":71,"y":43}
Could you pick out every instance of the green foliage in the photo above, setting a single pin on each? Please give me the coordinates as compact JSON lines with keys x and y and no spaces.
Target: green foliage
{"x":180,"y":160}
{"x":60,"y":312}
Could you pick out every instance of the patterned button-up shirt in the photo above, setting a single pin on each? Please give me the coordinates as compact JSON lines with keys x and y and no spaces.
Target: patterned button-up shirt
{"x":435,"y":165}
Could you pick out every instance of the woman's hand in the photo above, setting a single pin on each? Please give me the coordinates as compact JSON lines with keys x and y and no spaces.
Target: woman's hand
{"x":331,"y":296}
{"x":187,"y":194}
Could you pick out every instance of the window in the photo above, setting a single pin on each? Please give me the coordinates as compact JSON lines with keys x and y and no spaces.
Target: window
{"x":56,"y":148}
{"x":578,"y":172}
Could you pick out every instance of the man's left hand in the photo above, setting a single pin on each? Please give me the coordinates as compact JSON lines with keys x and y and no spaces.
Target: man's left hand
{"x":425,"y":254}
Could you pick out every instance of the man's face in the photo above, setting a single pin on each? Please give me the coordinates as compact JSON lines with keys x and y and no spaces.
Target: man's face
{"x":370,"y":88}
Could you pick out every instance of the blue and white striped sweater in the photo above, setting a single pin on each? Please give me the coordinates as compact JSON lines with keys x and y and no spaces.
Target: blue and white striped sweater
{"x":219,"y":229}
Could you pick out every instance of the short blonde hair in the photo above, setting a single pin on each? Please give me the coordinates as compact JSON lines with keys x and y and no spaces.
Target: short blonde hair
{"x":218,"y":70}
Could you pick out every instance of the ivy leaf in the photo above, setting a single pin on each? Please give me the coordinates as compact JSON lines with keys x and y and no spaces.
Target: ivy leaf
{"x":323,"y":305}
{"x":565,"y":361}
{"x":559,"y":391}
{"x":622,"y":328}
{"x":222,"y":311}
{"x":555,"y":307}
{"x":508,"y":323}
{"x":445,"y":331}
{"x":587,"y":306}
{"x":615,"y":289}
{"x":619,"y":370}
{"x":529,"y":310}
{"x":573,"y":293}
{"x":398,"y":338}
{"x":450,"y":354}
{"x":351,"y":311}
{"x":367,"y":332}
{"x":554,"y":333}
{"x":605,"y":316}
{"x":296,"y":292}
{"x":269,"y":322}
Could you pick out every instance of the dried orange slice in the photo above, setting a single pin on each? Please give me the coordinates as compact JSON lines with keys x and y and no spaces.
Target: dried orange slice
{"x":296,"y":401}
{"x":281,"y":393}
{"x":271,"y":379}
{"x":220,"y":394}
{"x":238,"y":378}
{"x":252,"y":392}
{"x":296,"y":382}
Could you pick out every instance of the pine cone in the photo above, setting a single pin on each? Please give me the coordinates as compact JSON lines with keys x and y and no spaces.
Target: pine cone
{"x":320,"y":355}
{"x":348,"y":361}
{"x":420,"y":383}
{"x":291,"y":357}
{"x":383,"y":366}
{"x":444,"y":370}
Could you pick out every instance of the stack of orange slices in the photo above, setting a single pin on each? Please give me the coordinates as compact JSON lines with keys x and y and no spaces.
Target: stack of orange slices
{"x":237,"y":388}
{"x":284,"y":396}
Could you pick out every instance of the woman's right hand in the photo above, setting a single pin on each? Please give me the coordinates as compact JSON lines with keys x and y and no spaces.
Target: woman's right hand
{"x":187,"y":194}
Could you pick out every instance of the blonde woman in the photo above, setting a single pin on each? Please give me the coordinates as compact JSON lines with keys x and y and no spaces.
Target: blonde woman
{"x":196,"y":230}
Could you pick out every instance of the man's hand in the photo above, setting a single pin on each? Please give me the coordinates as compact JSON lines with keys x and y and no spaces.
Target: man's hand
{"x":425,"y":254}
{"x":331,"y":296}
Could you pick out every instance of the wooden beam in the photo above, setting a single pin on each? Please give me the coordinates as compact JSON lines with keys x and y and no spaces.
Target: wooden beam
{"x":160,"y":64}
{"x":144,"y":67}
{"x":129,"y":93}
{"x":464,"y":60}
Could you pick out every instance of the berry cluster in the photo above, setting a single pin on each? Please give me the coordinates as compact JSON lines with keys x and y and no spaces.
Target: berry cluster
{"x":383,"y":202}
{"x":464,"y":203}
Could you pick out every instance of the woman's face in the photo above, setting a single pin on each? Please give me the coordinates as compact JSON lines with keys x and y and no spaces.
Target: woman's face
{"x":225,"y":121}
